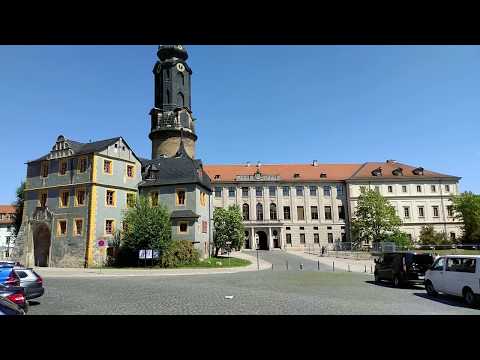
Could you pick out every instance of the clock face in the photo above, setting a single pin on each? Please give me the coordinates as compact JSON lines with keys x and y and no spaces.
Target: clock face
{"x":180,"y":67}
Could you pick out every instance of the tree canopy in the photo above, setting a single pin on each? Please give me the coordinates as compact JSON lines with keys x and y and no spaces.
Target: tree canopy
{"x":374,"y":218}
{"x":228,"y":228}
{"x":18,"y":217}
{"x":147,"y":226}
{"x":428,"y":236}
{"x":467,"y":209}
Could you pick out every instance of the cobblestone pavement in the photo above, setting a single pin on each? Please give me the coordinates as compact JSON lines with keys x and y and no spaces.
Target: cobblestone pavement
{"x":262,"y":292}
{"x":280,"y":258}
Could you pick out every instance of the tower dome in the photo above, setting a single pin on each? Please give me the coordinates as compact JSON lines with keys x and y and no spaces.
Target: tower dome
{"x":172,"y":51}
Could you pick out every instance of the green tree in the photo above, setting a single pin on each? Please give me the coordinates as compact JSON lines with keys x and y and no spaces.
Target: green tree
{"x":374,"y":219}
{"x":401,"y":239}
{"x":18,"y":217}
{"x":147,"y":227}
{"x":467,"y":209}
{"x":228,"y":224}
{"x":428,"y":236}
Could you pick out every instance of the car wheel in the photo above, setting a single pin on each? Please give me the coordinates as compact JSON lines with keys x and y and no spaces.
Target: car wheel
{"x":430,"y":289}
{"x":469,"y":297}
{"x":396,"y":282}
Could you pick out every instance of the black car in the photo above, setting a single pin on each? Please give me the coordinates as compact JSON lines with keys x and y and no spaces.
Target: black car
{"x":402,"y":267}
{"x":15,"y":294}
{"x":8,"y":307}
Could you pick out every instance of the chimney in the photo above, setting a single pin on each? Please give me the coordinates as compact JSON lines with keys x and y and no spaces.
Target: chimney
{"x":315,"y":163}
{"x":248,"y":163}
{"x":390,"y":161}
{"x":259,"y":164}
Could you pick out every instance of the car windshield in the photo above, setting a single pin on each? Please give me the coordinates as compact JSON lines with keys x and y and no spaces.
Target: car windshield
{"x":420,"y":259}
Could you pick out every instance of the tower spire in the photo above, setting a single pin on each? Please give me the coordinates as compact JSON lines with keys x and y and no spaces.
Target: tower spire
{"x":172,"y":106}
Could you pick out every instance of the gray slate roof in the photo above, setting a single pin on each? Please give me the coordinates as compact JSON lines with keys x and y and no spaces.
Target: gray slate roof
{"x":180,"y":169}
{"x":87,"y":148}
{"x":184,"y":214}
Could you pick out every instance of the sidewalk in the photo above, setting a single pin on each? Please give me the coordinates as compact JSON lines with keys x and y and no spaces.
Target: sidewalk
{"x":340,"y":264}
{"x":50,"y":272}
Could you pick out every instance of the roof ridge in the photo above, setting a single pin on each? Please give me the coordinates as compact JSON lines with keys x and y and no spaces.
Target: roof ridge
{"x":358,"y":170}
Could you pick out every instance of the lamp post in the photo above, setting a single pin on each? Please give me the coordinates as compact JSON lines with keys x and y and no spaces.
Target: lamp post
{"x":257,"y":242}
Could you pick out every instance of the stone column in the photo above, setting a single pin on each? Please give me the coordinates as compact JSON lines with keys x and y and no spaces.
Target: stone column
{"x":270,"y":239}
{"x":253,"y":241}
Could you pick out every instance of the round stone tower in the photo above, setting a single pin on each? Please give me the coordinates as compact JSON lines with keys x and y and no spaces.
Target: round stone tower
{"x":172,"y":113}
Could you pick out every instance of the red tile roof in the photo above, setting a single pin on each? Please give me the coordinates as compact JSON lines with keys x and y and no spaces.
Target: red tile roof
{"x":7,"y":209}
{"x":309,"y":172}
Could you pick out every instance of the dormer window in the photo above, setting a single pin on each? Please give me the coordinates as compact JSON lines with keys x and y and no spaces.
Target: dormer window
{"x":377,"y":172}
{"x":216,"y":177}
{"x":323,"y":175}
{"x":296,"y":175}
{"x":418,"y":171}
{"x":397,"y":172}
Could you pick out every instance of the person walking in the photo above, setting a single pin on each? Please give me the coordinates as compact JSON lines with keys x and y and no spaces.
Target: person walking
{"x":323,"y":250}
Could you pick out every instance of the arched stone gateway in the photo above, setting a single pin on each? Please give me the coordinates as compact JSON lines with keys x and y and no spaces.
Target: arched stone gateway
{"x":41,"y":244}
{"x":262,"y":240}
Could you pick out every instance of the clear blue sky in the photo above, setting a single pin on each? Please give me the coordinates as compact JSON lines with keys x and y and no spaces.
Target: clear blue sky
{"x":416,"y":104}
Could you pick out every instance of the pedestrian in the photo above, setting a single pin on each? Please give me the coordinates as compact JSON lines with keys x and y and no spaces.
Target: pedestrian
{"x":323,"y":250}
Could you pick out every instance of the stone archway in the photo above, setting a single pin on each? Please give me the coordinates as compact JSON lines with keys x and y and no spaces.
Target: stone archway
{"x":262,"y":240}
{"x":41,"y":244}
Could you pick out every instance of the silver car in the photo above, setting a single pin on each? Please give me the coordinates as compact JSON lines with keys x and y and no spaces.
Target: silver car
{"x":30,"y":281}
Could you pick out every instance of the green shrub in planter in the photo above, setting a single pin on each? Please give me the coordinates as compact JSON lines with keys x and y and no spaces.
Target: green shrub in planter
{"x":180,"y":252}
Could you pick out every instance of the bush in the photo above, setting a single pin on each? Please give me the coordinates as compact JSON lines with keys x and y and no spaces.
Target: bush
{"x":180,"y":252}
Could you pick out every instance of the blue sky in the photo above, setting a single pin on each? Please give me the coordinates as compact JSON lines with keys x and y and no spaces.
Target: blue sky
{"x":337,"y":104}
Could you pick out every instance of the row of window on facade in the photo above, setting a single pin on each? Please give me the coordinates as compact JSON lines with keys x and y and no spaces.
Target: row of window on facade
{"x":82,"y":167}
{"x":78,"y":227}
{"x":80,"y":198}
{"x":180,"y":198}
{"x":316,"y":238}
{"x":6,"y":216}
{"x":272,"y":191}
{"x":287,"y":215}
{"x":421,"y":211}
{"x":433,"y":188}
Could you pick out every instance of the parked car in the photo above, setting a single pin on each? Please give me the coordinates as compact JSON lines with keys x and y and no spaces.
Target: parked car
{"x":402,"y":267}
{"x":8,"y":276}
{"x":15,"y":294}
{"x":8,"y":307}
{"x":30,"y":281}
{"x":457,"y":275}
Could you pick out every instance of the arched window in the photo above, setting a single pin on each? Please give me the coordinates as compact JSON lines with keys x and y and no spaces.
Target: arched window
{"x":180,"y":99}
{"x":273,"y":211}
{"x":246,"y":212}
{"x":259,"y":211}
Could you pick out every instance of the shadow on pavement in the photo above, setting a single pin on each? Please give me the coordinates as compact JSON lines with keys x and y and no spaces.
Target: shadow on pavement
{"x":388,"y":284}
{"x":33,"y":303}
{"x":447,"y":300}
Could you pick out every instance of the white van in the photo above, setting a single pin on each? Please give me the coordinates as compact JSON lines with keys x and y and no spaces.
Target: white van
{"x":457,"y":275}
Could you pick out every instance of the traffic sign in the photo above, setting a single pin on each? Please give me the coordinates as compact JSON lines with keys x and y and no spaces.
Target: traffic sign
{"x":101,"y":243}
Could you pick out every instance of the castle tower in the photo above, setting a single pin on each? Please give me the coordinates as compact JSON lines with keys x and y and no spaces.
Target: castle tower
{"x":172,"y":111}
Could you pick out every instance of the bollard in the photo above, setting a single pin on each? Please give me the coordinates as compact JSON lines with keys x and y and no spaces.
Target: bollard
{"x":301,"y":266}
{"x":287,"y":264}
{"x":333,"y":265}
{"x":318,"y":264}
{"x":365,"y":268}
{"x":348,"y":267}
{"x":272,"y":267}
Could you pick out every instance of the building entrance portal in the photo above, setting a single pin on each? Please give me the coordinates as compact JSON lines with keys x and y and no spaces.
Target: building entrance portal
{"x":262,"y":240}
{"x":41,"y":245}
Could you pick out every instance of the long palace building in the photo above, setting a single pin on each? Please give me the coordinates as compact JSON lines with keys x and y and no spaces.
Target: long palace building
{"x":296,"y":205}
{"x":77,"y":192}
